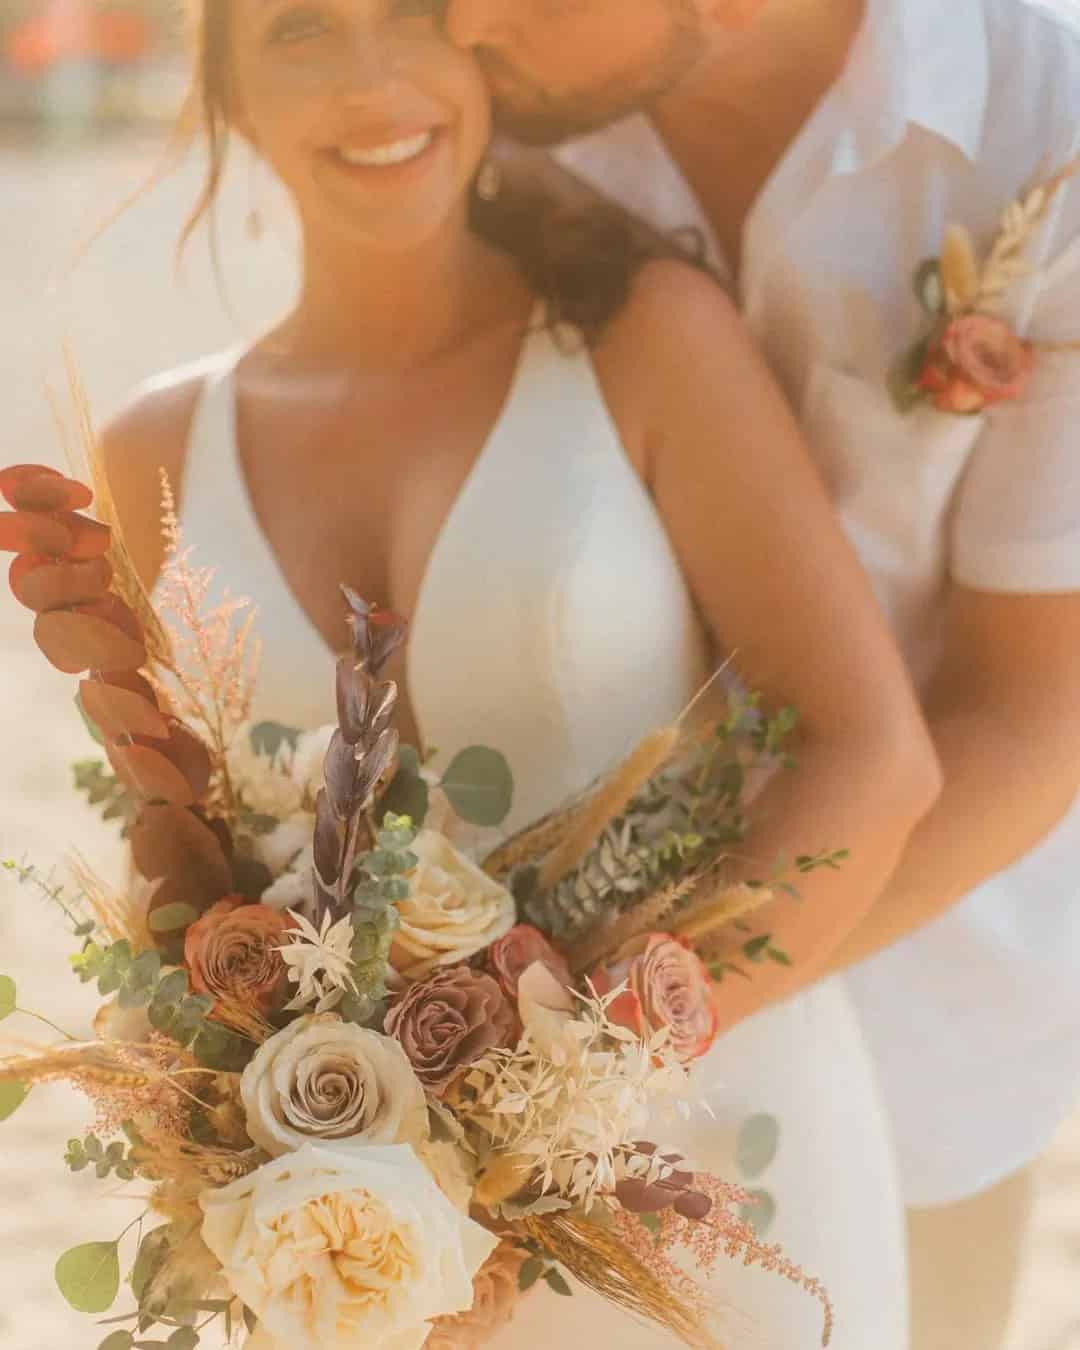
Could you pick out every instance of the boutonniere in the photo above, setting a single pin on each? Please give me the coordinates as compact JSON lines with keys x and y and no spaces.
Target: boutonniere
{"x":971,"y":358}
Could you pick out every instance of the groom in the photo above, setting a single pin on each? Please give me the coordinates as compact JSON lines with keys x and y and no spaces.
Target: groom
{"x":826,"y":146}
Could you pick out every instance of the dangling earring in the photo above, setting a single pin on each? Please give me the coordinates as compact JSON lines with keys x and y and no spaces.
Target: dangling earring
{"x":253,"y":221}
{"x":489,"y":181}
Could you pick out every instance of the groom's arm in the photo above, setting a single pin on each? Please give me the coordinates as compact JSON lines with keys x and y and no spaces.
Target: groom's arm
{"x":1004,"y":711}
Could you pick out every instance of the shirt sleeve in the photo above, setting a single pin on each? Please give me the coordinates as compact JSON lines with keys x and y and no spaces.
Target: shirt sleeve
{"x":1016,"y":520}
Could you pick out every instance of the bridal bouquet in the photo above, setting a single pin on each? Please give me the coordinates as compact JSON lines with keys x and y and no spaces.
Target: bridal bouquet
{"x":370,"y":1080}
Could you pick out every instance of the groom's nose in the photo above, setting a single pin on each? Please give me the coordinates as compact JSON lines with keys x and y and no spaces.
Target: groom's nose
{"x":475,"y":23}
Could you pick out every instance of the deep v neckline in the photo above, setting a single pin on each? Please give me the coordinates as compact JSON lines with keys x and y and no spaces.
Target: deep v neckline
{"x":501,"y":432}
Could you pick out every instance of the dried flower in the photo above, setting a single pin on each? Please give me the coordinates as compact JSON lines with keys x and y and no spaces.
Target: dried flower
{"x":319,"y":962}
{"x":666,"y":986}
{"x":454,"y":909}
{"x":322,"y":1078}
{"x":449,"y":1020}
{"x":232,"y":953}
{"x":574,"y":1095}
{"x":496,"y":1296}
{"x":511,"y":956}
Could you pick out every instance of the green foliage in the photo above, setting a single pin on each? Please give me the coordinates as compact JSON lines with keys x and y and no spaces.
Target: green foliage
{"x":408,"y":794}
{"x":379,"y":884}
{"x":89,"y":1276}
{"x":929,"y":287}
{"x":540,"y":1266}
{"x":140,"y":982}
{"x":27,"y":875}
{"x":12,"y":1096}
{"x":118,"y":1340}
{"x":106,"y":1160}
{"x":103,"y":789}
{"x":8,"y":996}
{"x":267,"y":738}
{"x":757,"y":1145}
{"x":91,"y":726}
{"x":479,"y":786}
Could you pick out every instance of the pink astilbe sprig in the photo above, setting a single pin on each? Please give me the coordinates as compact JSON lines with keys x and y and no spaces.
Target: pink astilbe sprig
{"x":215,"y":656}
{"x":721,"y":1234}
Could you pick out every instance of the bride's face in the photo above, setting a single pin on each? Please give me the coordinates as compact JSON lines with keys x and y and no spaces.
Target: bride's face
{"x":372,"y":120}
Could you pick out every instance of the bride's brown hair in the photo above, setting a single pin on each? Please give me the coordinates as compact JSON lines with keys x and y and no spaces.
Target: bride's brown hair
{"x":581,"y":260}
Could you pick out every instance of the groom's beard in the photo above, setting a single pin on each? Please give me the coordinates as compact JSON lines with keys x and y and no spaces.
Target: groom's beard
{"x":527,"y":112}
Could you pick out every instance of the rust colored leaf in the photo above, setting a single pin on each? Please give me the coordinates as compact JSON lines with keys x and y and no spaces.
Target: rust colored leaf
{"x":131,"y":679}
{"x":113,"y":610}
{"x":119,"y":712}
{"x":75,"y":641}
{"x":352,"y":699}
{"x":149,"y":774}
{"x":14,"y":474}
{"x":46,"y":491}
{"x":167,"y":841}
{"x":328,"y":841}
{"x":89,"y":538}
{"x":29,"y":532}
{"x":42,"y":583}
{"x":188,"y":753}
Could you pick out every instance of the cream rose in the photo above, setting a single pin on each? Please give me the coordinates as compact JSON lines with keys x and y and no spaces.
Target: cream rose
{"x":322,"y":1078}
{"x":334,"y":1247}
{"x":454,"y":909}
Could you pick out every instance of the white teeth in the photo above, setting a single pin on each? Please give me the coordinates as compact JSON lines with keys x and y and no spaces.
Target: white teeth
{"x":396,"y":153}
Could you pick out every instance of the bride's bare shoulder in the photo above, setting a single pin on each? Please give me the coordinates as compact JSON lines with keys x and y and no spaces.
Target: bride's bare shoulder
{"x":149,"y":435}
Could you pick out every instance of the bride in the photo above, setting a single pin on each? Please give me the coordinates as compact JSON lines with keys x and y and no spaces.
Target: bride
{"x":567,"y":465}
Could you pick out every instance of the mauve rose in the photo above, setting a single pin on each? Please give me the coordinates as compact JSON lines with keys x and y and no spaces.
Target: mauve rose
{"x":979,"y":361}
{"x":446,"y":1022}
{"x":496,"y":1294}
{"x":512,"y":955}
{"x":232,"y":952}
{"x":667,"y":986}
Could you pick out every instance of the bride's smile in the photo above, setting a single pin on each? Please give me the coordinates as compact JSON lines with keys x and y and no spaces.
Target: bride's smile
{"x":373,"y":121}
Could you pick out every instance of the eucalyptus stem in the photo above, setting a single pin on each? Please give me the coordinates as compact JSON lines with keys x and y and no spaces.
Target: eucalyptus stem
{"x":27,"y":1012}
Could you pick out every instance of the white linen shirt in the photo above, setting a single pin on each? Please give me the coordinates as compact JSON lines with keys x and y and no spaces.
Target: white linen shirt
{"x":946,"y":112}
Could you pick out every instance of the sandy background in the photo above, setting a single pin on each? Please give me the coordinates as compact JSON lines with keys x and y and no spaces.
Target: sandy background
{"x":126,"y":315}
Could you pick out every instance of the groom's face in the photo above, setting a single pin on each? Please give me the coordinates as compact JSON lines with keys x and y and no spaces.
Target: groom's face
{"x":560,"y":68}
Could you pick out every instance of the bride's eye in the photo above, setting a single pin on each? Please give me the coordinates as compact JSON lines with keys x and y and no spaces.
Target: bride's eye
{"x":297,"y":25}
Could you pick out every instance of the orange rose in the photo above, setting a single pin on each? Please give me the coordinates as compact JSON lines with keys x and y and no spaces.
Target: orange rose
{"x":496,"y":1294}
{"x":667,"y":986}
{"x":232,"y":952}
{"x":978,"y":361}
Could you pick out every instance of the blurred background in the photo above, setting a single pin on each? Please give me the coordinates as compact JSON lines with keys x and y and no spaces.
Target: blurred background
{"x":89,"y":90}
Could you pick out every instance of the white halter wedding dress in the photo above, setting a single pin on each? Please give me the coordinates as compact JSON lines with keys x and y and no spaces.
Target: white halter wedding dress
{"x":554,"y":624}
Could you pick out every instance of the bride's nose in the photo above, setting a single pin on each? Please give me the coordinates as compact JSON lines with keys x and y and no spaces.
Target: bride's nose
{"x":366,"y":66}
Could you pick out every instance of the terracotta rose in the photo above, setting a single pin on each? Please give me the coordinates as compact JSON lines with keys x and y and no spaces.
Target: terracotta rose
{"x":232,"y":953}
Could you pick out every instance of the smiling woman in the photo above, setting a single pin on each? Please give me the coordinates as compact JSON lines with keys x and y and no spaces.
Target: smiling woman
{"x":560,"y":458}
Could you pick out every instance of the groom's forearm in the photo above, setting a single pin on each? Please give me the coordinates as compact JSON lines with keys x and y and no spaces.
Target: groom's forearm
{"x":1008,"y":782}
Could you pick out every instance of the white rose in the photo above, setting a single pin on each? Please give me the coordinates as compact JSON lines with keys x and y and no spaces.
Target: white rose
{"x":306,"y":769}
{"x":453,"y":911}
{"x":263,"y":782}
{"x":293,"y":889}
{"x":335,"y":1247}
{"x":286,"y":844}
{"x":322,"y":1078}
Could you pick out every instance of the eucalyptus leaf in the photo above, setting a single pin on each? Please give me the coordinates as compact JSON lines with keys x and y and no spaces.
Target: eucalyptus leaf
{"x":12,"y":1096}
{"x":267,"y":738}
{"x":169,"y":918}
{"x":530,"y":1272}
{"x":903,"y":378}
{"x":556,"y":1282}
{"x":89,"y":1276}
{"x":8,"y":996}
{"x":118,"y":1340}
{"x":183,"y":1338}
{"x":757,"y":1145}
{"x":480,"y":786}
{"x":929,"y":287}
{"x":408,"y":794}
{"x":761,"y":1214}
{"x":91,"y":726}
